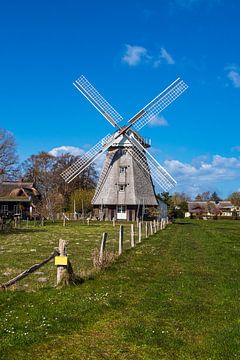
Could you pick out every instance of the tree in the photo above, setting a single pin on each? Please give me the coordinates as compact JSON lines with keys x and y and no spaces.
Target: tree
{"x":179,"y":205}
{"x":45,"y":171}
{"x":235,"y":198}
{"x":82,"y":200}
{"x":165,"y":197}
{"x":204,"y":196}
{"x":198,"y":197}
{"x":8,"y":155}
{"x":215,"y":197}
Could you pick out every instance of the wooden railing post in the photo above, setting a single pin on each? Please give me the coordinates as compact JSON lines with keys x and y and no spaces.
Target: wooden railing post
{"x":62,"y":269}
{"x":151,"y":228}
{"x":154,"y":226}
{"x":120,"y":243}
{"x":140,"y":232}
{"x":146,"y":229}
{"x":102,"y":247}
{"x":132,"y":236}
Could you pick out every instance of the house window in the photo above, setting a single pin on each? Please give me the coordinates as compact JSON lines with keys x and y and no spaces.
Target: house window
{"x":5,"y":209}
{"x":122,"y":169}
{"x":16,"y":209}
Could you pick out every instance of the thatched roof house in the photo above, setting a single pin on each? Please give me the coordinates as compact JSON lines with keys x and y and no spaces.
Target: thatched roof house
{"x":18,"y":198}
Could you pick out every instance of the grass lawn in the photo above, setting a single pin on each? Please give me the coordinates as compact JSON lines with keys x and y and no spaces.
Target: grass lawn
{"x":174,"y":296}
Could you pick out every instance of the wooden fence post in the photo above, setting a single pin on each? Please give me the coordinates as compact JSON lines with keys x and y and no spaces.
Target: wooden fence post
{"x":62,"y":270}
{"x":146,"y":229}
{"x":102,"y":247}
{"x":120,"y":243}
{"x":161,"y":224}
{"x":157,"y":225}
{"x":114,"y":222}
{"x":88,"y":221}
{"x":154,"y":226}
{"x":132,"y":236}
{"x":140,"y":232}
{"x":151,"y":228}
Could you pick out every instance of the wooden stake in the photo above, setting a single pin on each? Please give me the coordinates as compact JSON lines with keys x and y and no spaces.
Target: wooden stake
{"x":154,"y":226}
{"x":132,"y":236}
{"x":102,"y":247}
{"x":120,"y":244}
{"x":114,"y":221}
{"x":140,"y":232}
{"x":151,"y":228}
{"x":62,"y":272}
{"x":146,"y":229}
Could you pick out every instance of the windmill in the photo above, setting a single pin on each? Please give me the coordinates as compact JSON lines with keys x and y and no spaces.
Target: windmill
{"x":125,"y":187}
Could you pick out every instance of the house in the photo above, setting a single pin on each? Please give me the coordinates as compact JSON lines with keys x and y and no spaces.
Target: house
{"x":18,"y":198}
{"x":210,"y":208}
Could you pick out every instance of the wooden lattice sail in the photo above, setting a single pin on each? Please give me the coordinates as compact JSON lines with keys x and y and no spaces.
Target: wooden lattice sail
{"x":125,"y":186}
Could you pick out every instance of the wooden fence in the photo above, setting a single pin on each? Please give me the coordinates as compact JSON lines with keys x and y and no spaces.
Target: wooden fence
{"x":65,"y":273}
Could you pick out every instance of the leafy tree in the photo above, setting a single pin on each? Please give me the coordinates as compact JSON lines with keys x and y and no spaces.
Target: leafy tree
{"x":235,"y":198}
{"x":82,"y":199}
{"x":8,"y":155}
{"x":165,"y":197}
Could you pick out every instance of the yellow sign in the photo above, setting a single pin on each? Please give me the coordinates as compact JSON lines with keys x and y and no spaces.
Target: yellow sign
{"x":61,"y":260}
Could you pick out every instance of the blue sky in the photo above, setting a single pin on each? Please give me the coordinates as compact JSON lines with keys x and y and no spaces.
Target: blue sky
{"x":130,"y":51}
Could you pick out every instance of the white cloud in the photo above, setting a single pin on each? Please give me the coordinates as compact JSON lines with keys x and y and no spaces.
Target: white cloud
{"x":158,"y":121}
{"x":163,"y":57}
{"x":167,"y":57}
{"x":234,"y":76}
{"x":66,"y":149}
{"x":199,"y":176}
{"x":134,"y":55}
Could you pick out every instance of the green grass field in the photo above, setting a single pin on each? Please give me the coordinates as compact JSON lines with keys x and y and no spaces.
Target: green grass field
{"x":174,"y":296}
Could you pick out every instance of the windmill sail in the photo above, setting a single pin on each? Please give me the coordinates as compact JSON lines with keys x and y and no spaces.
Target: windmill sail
{"x":158,"y":104}
{"x":158,"y":173}
{"x":97,"y":100}
{"x":81,"y":164}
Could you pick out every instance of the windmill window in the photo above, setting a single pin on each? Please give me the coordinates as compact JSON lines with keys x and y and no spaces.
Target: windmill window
{"x":121,"y":209}
{"x":122,"y":187}
{"x":123,"y":169}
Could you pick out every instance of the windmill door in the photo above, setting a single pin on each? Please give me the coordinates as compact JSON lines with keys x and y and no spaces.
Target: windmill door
{"x":121,"y":212}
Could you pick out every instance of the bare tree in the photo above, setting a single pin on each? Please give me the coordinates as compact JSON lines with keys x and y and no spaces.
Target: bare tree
{"x":8,"y":155}
{"x":44,"y":170}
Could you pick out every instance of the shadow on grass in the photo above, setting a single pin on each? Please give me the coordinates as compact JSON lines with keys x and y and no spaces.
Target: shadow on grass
{"x":184,"y":223}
